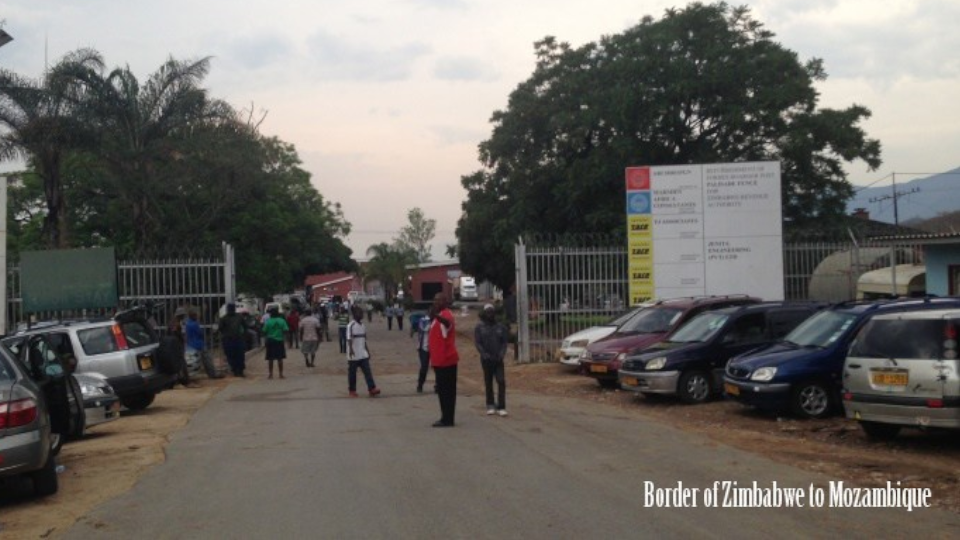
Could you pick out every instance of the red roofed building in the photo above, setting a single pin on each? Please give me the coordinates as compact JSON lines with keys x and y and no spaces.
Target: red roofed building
{"x":330,"y":285}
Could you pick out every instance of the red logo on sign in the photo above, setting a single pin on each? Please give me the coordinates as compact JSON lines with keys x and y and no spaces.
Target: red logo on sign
{"x":638,"y":178}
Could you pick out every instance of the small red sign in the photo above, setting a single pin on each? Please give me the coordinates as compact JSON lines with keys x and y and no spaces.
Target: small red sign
{"x":638,"y":178}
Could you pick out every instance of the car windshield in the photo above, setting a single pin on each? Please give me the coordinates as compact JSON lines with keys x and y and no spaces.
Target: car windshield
{"x":902,"y":339}
{"x":6,"y":371}
{"x":822,"y":329}
{"x":652,"y":321}
{"x":621,"y":320}
{"x":700,"y":328}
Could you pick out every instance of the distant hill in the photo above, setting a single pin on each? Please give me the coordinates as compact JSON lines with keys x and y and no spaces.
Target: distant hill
{"x":935,"y":195}
{"x":944,"y":223}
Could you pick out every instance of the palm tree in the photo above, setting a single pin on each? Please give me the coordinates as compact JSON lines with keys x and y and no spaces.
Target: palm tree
{"x":141,"y":129}
{"x":389,"y":265}
{"x":41,"y":125}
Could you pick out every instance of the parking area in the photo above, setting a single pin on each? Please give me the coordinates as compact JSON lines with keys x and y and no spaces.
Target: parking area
{"x":834,"y":446}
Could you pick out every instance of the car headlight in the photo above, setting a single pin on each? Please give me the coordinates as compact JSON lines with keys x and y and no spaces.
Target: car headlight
{"x":763,"y":374}
{"x":621,"y":356}
{"x":580,"y":343}
{"x":94,"y":391}
{"x":656,"y":363}
{"x":585,"y":355}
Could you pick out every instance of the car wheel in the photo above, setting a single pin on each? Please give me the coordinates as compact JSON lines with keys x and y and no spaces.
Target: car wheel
{"x":812,"y":399}
{"x":694,"y":387}
{"x":45,"y":480}
{"x":78,"y":415}
{"x":137,"y":402}
{"x":208,"y":366}
{"x":880,"y":432}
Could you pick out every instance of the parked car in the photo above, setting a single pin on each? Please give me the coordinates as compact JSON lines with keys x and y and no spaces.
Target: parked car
{"x":122,"y":348}
{"x":573,"y":345}
{"x":601,"y":360}
{"x":802,"y":373}
{"x":35,"y":419}
{"x":100,"y":403}
{"x":902,"y":370}
{"x":690,"y":362}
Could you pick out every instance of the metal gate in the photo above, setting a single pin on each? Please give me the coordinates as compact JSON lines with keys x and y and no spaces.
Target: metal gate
{"x":204,"y":283}
{"x":562,"y":289}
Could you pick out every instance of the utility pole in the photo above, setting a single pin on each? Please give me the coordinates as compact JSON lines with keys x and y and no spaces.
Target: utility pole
{"x":895,"y":196}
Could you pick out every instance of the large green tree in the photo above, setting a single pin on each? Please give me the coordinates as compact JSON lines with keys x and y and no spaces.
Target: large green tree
{"x":144,"y":131}
{"x":40,"y":124}
{"x":704,"y":84}
{"x":417,"y":234}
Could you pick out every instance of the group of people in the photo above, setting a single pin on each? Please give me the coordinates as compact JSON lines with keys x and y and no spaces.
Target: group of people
{"x":436,"y":348}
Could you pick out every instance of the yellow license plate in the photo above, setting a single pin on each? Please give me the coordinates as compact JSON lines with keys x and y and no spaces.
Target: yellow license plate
{"x":598,"y":368}
{"x":632,"y":381}
{"x":731,"y":389}
{"x":146,"y":362}
{"x":887,"y":378}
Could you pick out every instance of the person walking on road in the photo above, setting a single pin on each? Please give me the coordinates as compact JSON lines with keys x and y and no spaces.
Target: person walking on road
{"x":398,"y":313}
{"x":275,"y":330}
{"x":444,"y":358}
{"x":359,"y":354}
{"x":491,"y":339}
{"x":389,"y":311}
{"x":420,"y":325}
{"x":233,"y":330}
{"x":293,"y":322}
{"x":343,"y":319}
{"x":309,"y":334}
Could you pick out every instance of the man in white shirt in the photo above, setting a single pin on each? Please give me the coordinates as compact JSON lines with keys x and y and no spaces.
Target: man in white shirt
{"x":358,"y":354}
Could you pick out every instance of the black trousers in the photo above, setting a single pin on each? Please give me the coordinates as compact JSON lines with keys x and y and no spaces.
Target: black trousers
{"x":424,"y":366}
{"x":491,"y":371}
{"x":446,"y":378}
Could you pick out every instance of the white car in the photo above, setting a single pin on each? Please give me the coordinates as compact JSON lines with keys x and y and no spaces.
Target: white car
{"x":574,"y":344}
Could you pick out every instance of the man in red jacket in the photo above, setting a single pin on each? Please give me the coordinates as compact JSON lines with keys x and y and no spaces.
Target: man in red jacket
{"x":444,"y":358}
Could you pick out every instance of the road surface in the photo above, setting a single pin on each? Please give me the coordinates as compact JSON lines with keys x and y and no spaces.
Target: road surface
{"x":297,"y":458}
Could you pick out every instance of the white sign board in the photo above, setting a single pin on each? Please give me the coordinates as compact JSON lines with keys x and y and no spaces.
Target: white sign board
{"x":705,"y":230}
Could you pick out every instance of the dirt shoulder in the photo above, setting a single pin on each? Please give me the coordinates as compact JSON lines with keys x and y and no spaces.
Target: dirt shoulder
{"x":104,"y":464}
{"x":834,"y":446}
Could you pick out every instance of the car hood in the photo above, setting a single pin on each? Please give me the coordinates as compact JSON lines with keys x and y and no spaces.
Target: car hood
{"x":625,"y":343}
{"x":778,"y":354}
{"x":591,"y":334}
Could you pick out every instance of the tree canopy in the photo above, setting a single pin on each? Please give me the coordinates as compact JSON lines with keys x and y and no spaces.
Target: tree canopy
{"x":417,"y":234}
{"x":160,"y":168}
{"x":704,"y":84}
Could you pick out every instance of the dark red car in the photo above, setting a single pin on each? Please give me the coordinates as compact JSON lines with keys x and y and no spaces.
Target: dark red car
{"x":601,"y":360}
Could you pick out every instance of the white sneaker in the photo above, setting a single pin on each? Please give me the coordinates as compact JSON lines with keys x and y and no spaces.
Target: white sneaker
{"x":491,"y":411}
{"x":501,"y":412}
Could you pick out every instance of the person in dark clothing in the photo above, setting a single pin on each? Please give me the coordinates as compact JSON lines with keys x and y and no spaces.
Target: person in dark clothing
{"x":420,"y":325}
{"x":233,"y":330}
{"x":491,"y":339}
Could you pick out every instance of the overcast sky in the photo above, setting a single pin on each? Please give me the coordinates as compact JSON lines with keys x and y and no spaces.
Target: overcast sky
{"x":386,"y":100}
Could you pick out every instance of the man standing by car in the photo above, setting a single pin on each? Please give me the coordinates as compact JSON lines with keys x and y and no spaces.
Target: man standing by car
{"x":233,"y":331}
{"x":444,"y":358}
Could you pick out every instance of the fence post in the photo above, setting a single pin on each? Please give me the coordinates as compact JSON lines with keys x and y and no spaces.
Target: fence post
{"x":523,"y":302}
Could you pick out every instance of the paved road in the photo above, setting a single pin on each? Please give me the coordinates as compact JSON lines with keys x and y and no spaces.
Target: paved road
{"x":296,"y":458}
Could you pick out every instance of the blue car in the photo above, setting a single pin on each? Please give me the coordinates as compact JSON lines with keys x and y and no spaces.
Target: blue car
{"x":801,"y":374}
